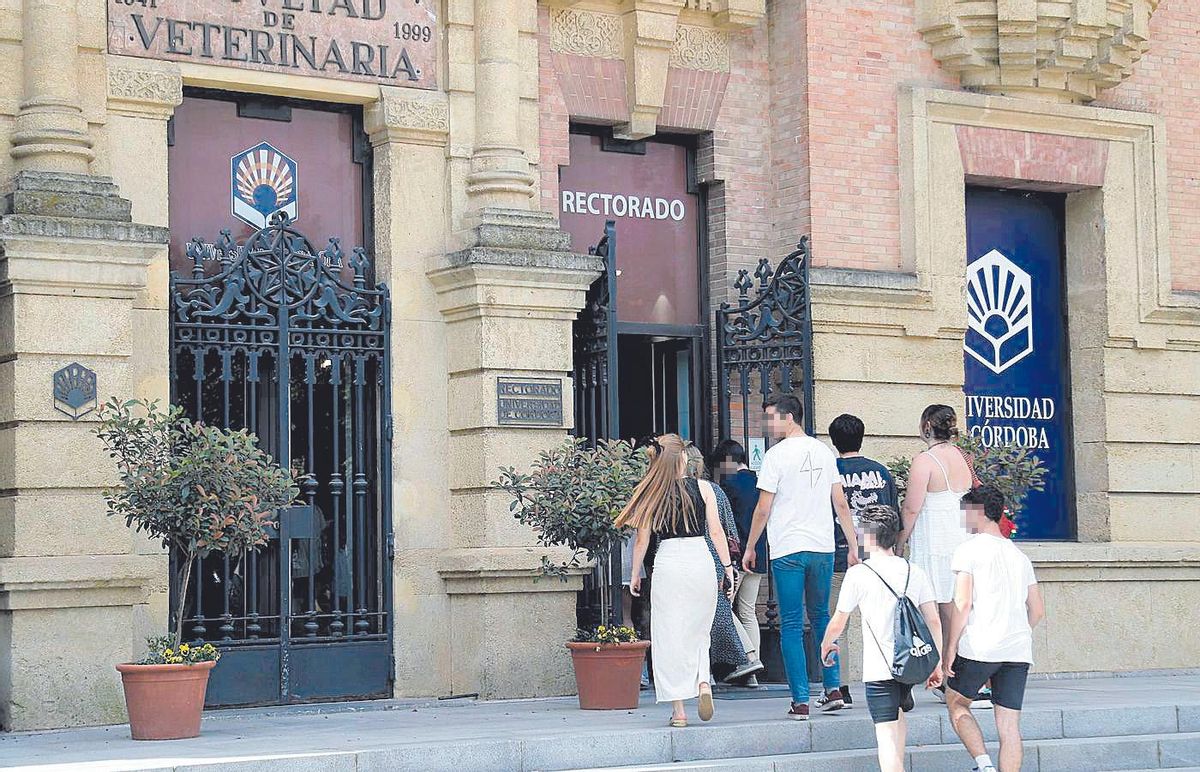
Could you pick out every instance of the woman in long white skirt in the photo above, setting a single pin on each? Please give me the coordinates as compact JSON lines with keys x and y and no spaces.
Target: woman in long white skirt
{"x":677,"y":512}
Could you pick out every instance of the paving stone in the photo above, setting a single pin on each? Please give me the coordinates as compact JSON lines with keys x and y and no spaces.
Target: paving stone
{"x":954,"y":758}
{"x":333,"y":762}
{"x":769,"y":738}
{"x":1179,"y":751}
{"x":1118,"y":721}
{"x":1091,"y":754}
{"x":924,"y":729}
{"x":842,"y":761}
{"x":597,"y":750}
{"x":840,"y":732}
{"x":1035,"y":725}
{"x":482,"y":756}
{"x":1189,"y":718}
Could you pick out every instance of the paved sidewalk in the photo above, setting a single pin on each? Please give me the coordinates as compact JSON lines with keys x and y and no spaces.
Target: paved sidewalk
{"x":470,"y":735}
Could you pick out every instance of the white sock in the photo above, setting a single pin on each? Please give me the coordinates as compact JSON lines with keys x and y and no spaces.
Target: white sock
{"x":983,"y":762}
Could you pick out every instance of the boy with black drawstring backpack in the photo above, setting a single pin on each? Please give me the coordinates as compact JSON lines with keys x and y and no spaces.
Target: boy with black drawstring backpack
{"x":901,"y":630}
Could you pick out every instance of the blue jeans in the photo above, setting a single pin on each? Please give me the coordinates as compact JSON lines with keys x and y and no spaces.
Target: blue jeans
{"x":803,"y":581}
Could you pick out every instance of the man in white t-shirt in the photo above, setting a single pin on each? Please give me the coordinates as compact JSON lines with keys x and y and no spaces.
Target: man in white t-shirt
{"x":873,"y":588}
{"x":997,"y":604}
{"x":797,"y":485}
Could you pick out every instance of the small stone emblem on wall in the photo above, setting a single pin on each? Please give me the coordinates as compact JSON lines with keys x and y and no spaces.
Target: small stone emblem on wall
{"x":75,"y":391}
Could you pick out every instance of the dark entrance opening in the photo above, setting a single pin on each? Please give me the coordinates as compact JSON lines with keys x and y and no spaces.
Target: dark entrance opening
{"x":657,"y":391}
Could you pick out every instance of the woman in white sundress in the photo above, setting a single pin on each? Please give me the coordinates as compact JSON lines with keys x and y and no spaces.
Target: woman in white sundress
{"x":678,"y":511}
{"x":933,"y":518}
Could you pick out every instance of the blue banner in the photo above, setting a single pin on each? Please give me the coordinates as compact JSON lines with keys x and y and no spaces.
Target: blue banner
{"x":1017,"y":377}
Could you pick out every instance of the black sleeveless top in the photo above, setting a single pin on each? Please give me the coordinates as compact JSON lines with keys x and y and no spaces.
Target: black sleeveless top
{"x":700,"y":526}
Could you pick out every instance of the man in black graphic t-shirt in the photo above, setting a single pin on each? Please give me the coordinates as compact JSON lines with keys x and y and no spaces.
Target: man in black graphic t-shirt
{"x":865,"y":482}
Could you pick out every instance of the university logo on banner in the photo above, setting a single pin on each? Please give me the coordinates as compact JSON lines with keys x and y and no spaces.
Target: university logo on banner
{"x":999,"y":312}
{"x":1016,"y":376}
{"x":262,"y":184}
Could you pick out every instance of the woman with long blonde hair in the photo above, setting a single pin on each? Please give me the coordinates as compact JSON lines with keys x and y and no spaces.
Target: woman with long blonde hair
{"x":674,"y":509}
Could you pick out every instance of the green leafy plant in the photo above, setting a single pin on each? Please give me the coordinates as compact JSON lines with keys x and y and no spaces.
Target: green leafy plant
{"x":1013,"y":469}
{"x":161,"y":650}
{"x":607,"y":634}
{"x":572,"y":495}
{"x":196,"y":488}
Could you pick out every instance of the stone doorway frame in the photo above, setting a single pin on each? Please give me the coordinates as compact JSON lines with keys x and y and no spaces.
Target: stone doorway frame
{"x":1116,"y":228}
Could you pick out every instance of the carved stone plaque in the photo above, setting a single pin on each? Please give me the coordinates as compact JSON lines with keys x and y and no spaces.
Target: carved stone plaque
{"x":393,"y":42}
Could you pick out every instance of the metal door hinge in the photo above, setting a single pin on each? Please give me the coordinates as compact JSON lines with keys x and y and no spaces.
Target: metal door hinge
{"x":388,"y":426}
{"x":391,"y":546}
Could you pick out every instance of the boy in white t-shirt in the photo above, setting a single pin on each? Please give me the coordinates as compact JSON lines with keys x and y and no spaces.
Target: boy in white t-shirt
{"x":997,"y":604}
{"x":872,"y":587}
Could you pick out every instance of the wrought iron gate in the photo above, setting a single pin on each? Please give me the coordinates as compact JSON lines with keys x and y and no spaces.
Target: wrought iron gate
{"x":292,"y":344}
{"x":764,"y":347}
{"x":597,"y":414}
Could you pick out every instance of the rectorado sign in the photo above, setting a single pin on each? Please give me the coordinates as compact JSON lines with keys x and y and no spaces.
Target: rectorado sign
{"x":393,"y":42}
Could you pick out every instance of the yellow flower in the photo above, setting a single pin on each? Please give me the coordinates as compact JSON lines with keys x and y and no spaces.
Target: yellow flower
{"x":183,"y":648}
{"x":169,"y":653}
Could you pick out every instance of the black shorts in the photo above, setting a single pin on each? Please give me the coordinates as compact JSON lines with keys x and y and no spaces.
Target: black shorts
{"x":884,"y":699}
{"x":1008,"y":680}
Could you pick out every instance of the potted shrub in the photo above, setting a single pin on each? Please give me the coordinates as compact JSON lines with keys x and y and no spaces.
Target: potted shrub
{"x":198,"y":489}
{"x":571,"y":497}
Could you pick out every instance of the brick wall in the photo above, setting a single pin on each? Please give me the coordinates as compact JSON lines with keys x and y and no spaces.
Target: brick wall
{"x":554,"y":119}
{"x":857,"y":59}
{"x":1164,"y":82}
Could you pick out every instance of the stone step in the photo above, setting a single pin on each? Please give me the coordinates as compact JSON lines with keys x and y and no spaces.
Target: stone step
{"x":1177,"y":751}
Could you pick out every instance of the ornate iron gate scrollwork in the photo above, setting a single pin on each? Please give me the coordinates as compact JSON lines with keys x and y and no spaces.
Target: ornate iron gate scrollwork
{"x":764,"y":347}
{"x":764,"y":344}
{"x":292,"y":343}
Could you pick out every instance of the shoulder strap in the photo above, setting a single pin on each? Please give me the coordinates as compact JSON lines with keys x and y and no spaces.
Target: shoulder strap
{"x":885,"y":584}
{"x":940,"y":465}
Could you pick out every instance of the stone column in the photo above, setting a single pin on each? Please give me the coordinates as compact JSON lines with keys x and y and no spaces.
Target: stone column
{"x":78,"y":287}
{"x":409,"y":131}
{"x":51,"y":133}
{"x":500,"y":174}
{"x":70,"y":582}
{"x":506,"y":301}
{"x":508,"y":304}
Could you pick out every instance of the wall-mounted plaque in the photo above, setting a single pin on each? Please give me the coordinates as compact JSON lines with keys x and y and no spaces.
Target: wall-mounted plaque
{"x":529,"y":401}
{"x":393,"y":42}
{"x":74,"y":391}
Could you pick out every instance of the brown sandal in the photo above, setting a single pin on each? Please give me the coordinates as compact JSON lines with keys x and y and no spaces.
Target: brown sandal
{"x":678,"y":723}
{"x":706,"y":704}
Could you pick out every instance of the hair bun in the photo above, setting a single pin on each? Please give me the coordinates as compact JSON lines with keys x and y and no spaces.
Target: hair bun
{"x":941,"y":420}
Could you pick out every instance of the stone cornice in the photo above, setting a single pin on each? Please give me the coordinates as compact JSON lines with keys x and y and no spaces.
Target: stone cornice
{"x":1036,"y":48}
{"x":78,"y":581}
{"x":408,"y":116}
{"x":651,"y":36}
{"x":143,"y":88}
{"x":505,"y":570}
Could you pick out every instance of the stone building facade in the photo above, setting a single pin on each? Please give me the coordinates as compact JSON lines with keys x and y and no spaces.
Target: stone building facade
{"x":864,"y":127}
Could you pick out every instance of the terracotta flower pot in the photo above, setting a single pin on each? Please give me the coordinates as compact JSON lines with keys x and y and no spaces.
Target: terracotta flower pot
{"x":165,"y":701}
{"x":608,"y":675}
